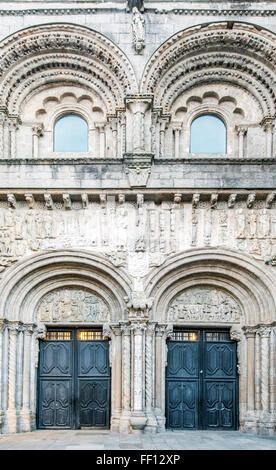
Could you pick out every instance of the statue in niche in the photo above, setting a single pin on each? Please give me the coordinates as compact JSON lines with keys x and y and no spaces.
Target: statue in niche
{"x":138,"y":30}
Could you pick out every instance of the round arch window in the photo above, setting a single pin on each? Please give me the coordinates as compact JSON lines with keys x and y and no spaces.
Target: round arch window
{"x":70,"y":134}
{"x":208,"y":135}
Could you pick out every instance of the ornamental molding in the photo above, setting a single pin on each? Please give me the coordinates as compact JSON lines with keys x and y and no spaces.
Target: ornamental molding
{"x":207,"y":45}
{"x":212,"y":68}
{"x":236,"y":12}
{"x":79,"y":47}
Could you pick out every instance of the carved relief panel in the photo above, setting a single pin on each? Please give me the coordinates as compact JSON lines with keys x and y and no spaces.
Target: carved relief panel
{"x":72,"y":305}
{"x":136,"y":235}
{"x":206,"y":304}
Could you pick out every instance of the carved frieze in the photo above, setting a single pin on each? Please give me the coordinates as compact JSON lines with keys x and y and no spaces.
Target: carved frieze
{"x":72,"y":305}
{"x":204,"y":304}
{"x":136,"y":235}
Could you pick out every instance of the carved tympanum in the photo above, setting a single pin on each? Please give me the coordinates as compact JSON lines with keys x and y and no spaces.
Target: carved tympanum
{"x":204,"y":304}
{"x":72,"y":304}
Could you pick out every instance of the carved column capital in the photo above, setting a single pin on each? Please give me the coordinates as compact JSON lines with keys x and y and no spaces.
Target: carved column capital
{"x":264,"y":331}
{"x":249,"y":331}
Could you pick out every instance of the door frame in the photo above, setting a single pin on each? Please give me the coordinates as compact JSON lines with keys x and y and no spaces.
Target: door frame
{"x":202,"y":330}
{"x":75,"y":418}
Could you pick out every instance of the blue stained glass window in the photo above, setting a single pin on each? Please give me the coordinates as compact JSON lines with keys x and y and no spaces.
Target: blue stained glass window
{"x":71,"y":134}
{"x":208,"y":135}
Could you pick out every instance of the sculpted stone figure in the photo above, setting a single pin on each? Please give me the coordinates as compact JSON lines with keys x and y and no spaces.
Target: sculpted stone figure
{"x":138,"y":30}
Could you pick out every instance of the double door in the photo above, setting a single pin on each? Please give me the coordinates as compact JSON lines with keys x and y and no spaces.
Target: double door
{"x":201,"y":381}
{"x":73,"y":380}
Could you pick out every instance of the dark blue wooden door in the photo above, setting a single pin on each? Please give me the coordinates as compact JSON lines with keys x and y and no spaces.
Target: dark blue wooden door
{"x":73,"y":380}
{"x":201,"y":381}
{"x":93,"y":383}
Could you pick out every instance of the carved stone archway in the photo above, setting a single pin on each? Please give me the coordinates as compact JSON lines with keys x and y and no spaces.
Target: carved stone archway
{"x":57,"y":288}
{"x":219,"y":289}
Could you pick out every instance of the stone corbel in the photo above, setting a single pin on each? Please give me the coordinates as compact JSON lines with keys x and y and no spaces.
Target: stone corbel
{"x":232,"y":200}
{"x":138,"y":306}
{"x":195,"y":200}
{"x":11,"y":200}
{"x":214,"y":200}
{"x":84,"y":200}
{"x":177,"y":198}
{"x":138,"y":169}
{"x":250,"y":200}
{"x":102,"y":200}
{"x":30,"y":200}
{"x":269,"y":200}
{"x":67,"y":201}
{"x":48,"y":201}
{"x":121,"y":198}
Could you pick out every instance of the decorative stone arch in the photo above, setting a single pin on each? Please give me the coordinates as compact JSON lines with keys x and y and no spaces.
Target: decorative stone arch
{"x":247,"y":290}
{"x":70,"y":49}
{"x":220,"y":54}
{"x":24,"y":289}
{"x":244,"y":278}
{"x":204,"y":48}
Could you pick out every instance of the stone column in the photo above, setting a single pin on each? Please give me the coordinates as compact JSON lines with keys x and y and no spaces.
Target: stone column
{"x":151,"y":425}
{"x":12,"y":378}
{"x":250,"y":424}
{"x":241,"y":131}
{"x":177,"y":131}
{"x":264,"y":333}
{"x":126,"y":376}
{"x":26,"y":416}
{"x":37,"y":131}
{"x":163,"y":332}
{"x":13,"y":127}
{"x":101,"y":127}
{"x":2,"y":125}
{"x":116,"y":364}
{"x":39,"y":332}
{"x":2,"y":368}
{"x":138,"y":107}
{"x":268,"y":126}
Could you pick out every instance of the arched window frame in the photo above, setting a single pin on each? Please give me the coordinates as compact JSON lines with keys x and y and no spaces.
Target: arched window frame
{"x":216,"y":112}
{"x":61,"y":110}
{"x":70,"y":113}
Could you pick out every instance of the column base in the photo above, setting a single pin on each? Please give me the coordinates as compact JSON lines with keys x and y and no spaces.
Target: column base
{"x":152,"y":424}
{"x":12,"y":422}
{"x":27,"y":421}
{"x":138,"y":423}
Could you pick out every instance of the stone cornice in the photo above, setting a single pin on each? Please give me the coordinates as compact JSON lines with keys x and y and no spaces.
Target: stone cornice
{"x":204,"y":160}
{"x":231,"y":12}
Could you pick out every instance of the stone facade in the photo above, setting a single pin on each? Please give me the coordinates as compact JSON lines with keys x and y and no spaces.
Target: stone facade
{"x":137,"y":235}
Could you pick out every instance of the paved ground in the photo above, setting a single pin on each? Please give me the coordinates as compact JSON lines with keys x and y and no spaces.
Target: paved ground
{"x":105,"y":440}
